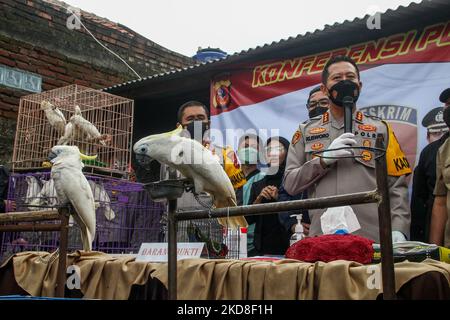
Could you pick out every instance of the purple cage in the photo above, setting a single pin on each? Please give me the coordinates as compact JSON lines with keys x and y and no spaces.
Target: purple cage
{"x":126,"y":216}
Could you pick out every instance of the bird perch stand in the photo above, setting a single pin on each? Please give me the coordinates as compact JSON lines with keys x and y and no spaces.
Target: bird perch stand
{"x":31,"y":221}
{"x":170,"y":190}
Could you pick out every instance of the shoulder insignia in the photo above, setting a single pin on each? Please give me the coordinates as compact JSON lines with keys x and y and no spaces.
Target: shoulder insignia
{"x":359,"y":116}
{"x":326,"y":117}
{"x":297,"y":136}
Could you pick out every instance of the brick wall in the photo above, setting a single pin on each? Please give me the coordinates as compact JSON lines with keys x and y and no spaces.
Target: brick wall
{"x":34,"y":38}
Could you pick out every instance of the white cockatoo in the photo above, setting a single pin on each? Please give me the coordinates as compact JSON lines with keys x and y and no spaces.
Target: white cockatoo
{"x":68,"y":135}
{"x":195,"y":162}
{"x":45,"y":197}
{"x":72,"y":187}
{"x":34,"y":187}
{"x":54,"y":116}
{"x":84,"y":128}
{"x":102,"y":199}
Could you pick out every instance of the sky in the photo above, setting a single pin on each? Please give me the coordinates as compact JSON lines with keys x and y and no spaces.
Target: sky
{"x":232,"y":25}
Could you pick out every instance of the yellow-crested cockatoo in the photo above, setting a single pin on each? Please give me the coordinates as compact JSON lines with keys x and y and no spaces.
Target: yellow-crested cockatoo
{"x":67,"y":136}
{"x":54,"y":116}
{"x":102,"y":199}
{"x":72,"y":187}
{"x":195,"y":162}
{"x":84,"y":127}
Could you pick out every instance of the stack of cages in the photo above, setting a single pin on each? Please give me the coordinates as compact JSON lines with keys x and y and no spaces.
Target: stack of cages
{"x":126,"y":216}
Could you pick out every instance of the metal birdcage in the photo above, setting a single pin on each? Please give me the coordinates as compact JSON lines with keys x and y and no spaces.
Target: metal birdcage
{"x":109,"y":116}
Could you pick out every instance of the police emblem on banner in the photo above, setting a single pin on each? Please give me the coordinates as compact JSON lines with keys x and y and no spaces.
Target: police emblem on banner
{"x":222,"y":94}
{"x":403,"y":121}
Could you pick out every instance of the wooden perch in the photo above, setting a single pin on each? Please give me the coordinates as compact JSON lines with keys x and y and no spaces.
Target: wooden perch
{"x":28,"y":216}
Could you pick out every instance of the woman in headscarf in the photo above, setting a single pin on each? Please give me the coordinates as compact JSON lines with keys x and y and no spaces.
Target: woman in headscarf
{"x":270,"y":237}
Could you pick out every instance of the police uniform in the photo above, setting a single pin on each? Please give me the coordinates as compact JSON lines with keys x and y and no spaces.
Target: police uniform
{"x":349,"y":175}
{"x":424,"y":179}
{"x":442,"y":187}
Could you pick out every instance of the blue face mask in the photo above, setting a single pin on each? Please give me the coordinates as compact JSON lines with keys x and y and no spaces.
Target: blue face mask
{"x":248,"y":155}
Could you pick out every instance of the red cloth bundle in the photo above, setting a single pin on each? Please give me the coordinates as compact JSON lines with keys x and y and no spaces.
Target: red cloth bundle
{"x":332,"y":247}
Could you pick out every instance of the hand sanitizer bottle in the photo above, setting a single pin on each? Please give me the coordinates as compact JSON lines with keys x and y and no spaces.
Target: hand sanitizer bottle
{"x":298,"y":234}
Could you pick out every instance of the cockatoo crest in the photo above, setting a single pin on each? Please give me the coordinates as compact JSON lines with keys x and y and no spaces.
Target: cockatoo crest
{"x":69,"y":155}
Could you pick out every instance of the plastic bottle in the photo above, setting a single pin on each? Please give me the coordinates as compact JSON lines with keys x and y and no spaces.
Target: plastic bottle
{"x":236,"y":240}
{"x":298,"y":234}
{"x":243,"y":243}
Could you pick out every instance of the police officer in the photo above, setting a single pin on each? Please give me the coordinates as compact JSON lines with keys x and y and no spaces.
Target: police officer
{"x":324,"y":177}
{"x":424,"y":178}
{"x":317,"y":104}
{"x":440,"y":221}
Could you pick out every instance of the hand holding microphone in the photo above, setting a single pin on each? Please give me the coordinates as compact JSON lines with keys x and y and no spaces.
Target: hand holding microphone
{"x":344,"y":140}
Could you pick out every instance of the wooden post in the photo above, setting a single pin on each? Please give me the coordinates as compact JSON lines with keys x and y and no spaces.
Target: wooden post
{"x":384,"y":217}
{"x":62,"y":262}
{"x":172,"y":248}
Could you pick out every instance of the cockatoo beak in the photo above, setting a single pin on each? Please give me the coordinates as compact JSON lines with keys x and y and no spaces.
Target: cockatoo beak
{"x":51,"y":156}
{"x":89,"y":158}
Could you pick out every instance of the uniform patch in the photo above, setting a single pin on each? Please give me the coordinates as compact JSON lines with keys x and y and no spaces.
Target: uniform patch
{"x":366,"y":155}
{"x":318,"y":137}
{"x":367,"y":127}
{"x":317,"y":146}
{"x":367,"y":143}
{"x":366,"y":134}
{"x":317,"y":130}
{"x":326,"y":117}
{"x":297,"y":136}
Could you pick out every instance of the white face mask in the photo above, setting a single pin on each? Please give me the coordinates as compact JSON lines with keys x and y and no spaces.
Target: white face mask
{"x":248,"y":155}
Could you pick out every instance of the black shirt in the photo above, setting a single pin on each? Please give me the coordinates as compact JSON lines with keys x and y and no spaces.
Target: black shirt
{"x":422,"y":193}
{"x":270,"y":235}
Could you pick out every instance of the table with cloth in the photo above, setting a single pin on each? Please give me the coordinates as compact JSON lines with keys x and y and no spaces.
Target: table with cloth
{"x":120,"y":277}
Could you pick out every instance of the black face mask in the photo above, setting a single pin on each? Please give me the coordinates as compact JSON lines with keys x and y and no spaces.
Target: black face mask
{"x":317,"y":111}
{"x":197,"y":129}
{"x":344,"y":88}
{"x":446,"y":116}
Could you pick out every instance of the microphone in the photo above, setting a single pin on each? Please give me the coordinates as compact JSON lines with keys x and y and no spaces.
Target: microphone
{"x":348,"y":103}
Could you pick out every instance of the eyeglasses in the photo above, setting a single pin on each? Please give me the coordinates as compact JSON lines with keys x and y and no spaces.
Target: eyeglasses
{"x":272,"y":149}
{"x":321,"y":103}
